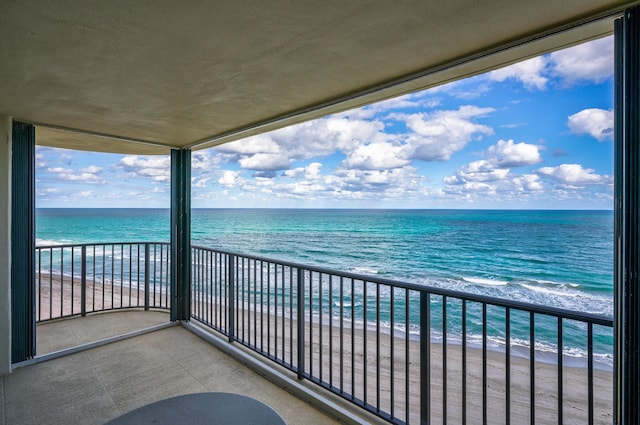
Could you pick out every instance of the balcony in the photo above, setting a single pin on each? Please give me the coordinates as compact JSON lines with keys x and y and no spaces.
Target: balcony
{"x":97,"y":385}
{"x":40,"y":87}
{"x":353,"y":345}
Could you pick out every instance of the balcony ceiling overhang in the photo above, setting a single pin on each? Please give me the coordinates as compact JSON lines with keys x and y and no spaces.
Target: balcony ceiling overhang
{"x":149,"y":75}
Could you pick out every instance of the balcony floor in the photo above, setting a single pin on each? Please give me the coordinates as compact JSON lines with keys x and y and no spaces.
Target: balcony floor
{"x":97,"y":385}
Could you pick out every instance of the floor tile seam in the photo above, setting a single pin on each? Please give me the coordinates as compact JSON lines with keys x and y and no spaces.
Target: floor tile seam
{"x":169,"y":357}
{"x":206,"y":346}
{"x":185,"y":370}
{"x":238,"y":365}
{"x":102,"y":385}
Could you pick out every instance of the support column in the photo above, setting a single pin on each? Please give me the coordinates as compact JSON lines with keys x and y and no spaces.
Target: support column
{"x":180,"y":234}
{"x":627,"y":219}
{"x":5,"y":245}
{"x":23,"y":242}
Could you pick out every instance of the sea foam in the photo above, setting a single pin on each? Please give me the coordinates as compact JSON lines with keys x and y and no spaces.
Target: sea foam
{"x":484,"y":281}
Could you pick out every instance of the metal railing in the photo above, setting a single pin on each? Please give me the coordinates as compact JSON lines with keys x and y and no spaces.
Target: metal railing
{"x":77,"y":279}
{"x":404,"y":352}
{"x":409,"y":353}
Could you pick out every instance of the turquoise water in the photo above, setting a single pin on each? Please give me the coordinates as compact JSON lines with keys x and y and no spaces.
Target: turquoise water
{"x":558,"y":258}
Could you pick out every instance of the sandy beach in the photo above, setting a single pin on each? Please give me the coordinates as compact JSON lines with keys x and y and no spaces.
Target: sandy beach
{"x":390,"y":359}
{"x":381,"y":376}
{"x":99,"y":296}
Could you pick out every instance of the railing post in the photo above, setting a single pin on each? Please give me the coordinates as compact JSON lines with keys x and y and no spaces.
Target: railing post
{"x":83,"y":282}
{"x":425,"y":358}
{"x":231,"y":300}
{"x":300,"y":301}
{"x":146,"y":276}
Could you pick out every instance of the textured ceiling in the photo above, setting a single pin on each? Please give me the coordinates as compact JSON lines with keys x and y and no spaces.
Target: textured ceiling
{"x":199,"y":73}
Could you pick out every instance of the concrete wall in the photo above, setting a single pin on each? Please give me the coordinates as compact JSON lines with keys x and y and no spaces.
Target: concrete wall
{"x":5,"y":245}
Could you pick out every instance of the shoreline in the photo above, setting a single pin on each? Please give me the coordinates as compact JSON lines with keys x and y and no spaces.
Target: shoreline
{"x":547,"y":354}
{"x":125,"y":297}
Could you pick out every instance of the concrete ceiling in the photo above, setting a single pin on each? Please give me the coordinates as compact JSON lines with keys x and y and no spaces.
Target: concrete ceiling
{"x":148,"y":75}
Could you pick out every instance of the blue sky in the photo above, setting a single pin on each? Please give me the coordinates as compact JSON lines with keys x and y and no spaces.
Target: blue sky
{"x":537,"y":134}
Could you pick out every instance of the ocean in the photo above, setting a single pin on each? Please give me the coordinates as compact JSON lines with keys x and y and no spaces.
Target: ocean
{"x":555,"y":258}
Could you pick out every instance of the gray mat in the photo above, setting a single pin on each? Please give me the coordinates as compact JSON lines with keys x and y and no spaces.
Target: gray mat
{"x":201,"y":409}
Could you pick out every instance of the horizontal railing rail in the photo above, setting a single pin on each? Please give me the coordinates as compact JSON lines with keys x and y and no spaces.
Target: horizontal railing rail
{"x":77,"y":279}
{"x":406,"y":352}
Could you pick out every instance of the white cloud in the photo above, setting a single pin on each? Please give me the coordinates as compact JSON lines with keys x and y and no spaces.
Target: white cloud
{"x":377,"y":183}
{"x":527,"y":183}
{"x":596,"y":122}
{"x":587,"y":62}
{"x":199,"y":181}
{"x":50,"y":190}
{"x":301,"y":189}
{"x":477,"y":171}
{"x":326,"y":136}
{"x":229,"y":179}
{"x":506,"y":154}
{"x":514,"y":189}
{"x":438,"y":135}
{"x":592,"y":61}
{"x":89,"y":175}
{"x":265,"y":162}
{"x":92,"y":169}
{"x":276,"y":150}
{"x":47,"y":191}
{"x":66,"y":158}
{"x":431,"y":136}
{"x":466,"y":89}
{"x":365,"y":143}
{"x":572,"y":175}
{"x":203,"y":160}
{"x":262,"y":143}
{"x":310,"y":172}
{"x":41,"y":159}
{"x":135,"y":161}
{"x":377,"y":156}
{"x":371,"y":186}
{"x":493,"y":176}
{"x":530,"y":72}
{"x":413,"y":100}
{"x":158,"y":168}
{"x":263,"y":181}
